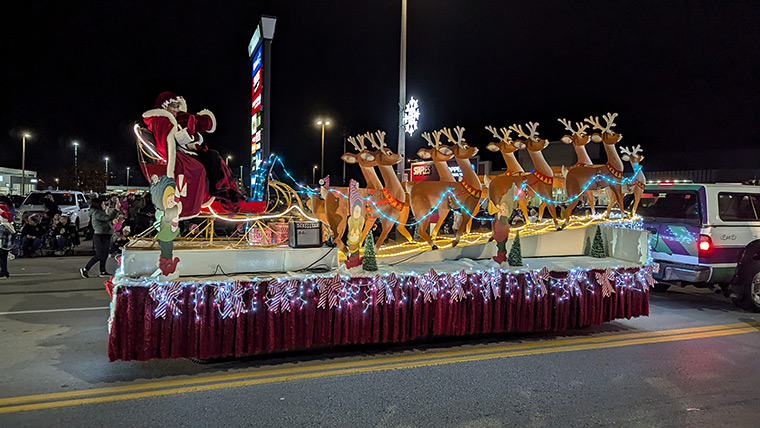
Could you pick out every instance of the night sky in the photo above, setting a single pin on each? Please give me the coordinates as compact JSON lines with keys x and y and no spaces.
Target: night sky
{"x":683,"y":75}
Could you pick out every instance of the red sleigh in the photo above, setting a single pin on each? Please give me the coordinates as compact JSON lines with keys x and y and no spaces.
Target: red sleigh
{"x":153,"y":163}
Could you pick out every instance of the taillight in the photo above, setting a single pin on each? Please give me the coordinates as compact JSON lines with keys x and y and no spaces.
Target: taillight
{"x":705,"y":246}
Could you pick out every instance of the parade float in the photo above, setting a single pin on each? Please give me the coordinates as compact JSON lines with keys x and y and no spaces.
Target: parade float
{"x":301,"y":269}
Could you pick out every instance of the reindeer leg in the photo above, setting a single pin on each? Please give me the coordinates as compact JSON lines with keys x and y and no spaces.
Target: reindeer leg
{"x":469,"y":204}
{"x":637,"y":198}
{"x":387,"y":227}
{"x":443,"y":212}
{"x":569,"y":211}
{"x":541,"y":209}
{"x":553,"y":212}
{"x":402,"y":219}
{"x":590,"y":200}
{"x":524,"y":207}
{"x":619,"y":196}
{"x":423,"y":226}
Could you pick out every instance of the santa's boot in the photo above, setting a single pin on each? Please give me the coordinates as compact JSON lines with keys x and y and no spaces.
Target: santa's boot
{"x":500,"y":257}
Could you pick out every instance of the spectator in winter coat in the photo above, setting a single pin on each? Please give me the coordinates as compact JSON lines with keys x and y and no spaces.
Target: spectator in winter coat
{"x":64,"y":234}
{"x":119,"y":240}
{"x":6,"y":235}
{"x":101,"y":217}
{"x":31,"y":236}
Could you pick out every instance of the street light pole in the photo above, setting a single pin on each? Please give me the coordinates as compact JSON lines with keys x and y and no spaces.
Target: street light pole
{"x":402,"y":95}
{"x":23,"y":161}
{"x":314,"y":175}
{"x":228,"y":159}
{"x":344,"y":151}
{"x":323,"y":123}
{"x":106,"y":159}
{"x":127,"y":179}
{"x":76,"y":164}
{"x":56,"y":184}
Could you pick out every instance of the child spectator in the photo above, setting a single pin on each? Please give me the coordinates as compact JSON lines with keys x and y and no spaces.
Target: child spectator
{"x":119,"y":240}
{"x":64,"y":235}
{"x":118,"y":223}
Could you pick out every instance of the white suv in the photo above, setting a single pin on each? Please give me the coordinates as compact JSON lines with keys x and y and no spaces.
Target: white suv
{"x":72,"y":204}
{"x":706,"y":235}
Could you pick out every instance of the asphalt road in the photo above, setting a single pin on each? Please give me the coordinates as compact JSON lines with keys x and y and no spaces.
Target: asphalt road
{"x":692,"y":362}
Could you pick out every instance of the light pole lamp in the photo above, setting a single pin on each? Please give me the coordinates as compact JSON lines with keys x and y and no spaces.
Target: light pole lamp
{"x":127,"y":179}
{"x":106,"y":159}
{"x":23,"y":160}
{"x":76,"y":163}
{"x":314,"y":175}
{"x":323,"y":123}
{"x":56,"y":183}
{"x":228,"y":159}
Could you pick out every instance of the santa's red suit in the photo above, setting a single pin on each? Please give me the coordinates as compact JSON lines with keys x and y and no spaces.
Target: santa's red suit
{"x":193,"y":163}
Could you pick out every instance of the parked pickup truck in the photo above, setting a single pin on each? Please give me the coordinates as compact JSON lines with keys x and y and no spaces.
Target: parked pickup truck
{"x":706,"y":235}
{"x":71,"y":203}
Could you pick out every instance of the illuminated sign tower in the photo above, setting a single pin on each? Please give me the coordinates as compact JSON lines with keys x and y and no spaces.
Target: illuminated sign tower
{"x":260,"y":50}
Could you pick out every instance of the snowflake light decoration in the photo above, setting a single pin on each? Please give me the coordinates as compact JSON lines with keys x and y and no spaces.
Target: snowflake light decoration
{"x":411,"y":116}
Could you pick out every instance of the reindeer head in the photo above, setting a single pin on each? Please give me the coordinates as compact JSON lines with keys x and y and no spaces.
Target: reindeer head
{"x":505,"y":144}
{"x":461,"y":149}
{"x":439,"y":152}
{"x":577,"y":137}
{"x":532,"y":142}
{"x":384,"y":155}
{"x":632,"y":155}
{"x":364,"y":158}
{"x":607,"y":136}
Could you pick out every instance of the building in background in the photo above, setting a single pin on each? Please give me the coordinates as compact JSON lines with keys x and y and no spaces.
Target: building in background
{"x":10,"y":181}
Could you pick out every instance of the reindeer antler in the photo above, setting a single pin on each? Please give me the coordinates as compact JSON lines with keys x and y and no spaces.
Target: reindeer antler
{"x":371,"y":139}
{"x":518,"y":129}
{"x":428,"y":138}
{"x":609,"y":118}
{"x":352,"y":140}
{"x":506,"y":133}
{"x":595,"y":122}
{"x":568,"y":125}
{"x":494,"y":132}
{"x":381,"y":138}
{"x":581,"y":129}
{"x":637,"y":150}
{"x":360,"y":138}
{"x":626,"y":151}
{"x":437,"y":136}
{"x":459,"y":130}
{"x":532,"y":128}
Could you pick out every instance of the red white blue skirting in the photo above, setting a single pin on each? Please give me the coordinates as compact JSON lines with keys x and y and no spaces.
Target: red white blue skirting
{"x":222,"y":318}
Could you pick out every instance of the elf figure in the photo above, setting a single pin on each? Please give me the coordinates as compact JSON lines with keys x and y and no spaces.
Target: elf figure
{"x":355,"y":224}
{"x":501,"y":225}
{"x":168,"y":206}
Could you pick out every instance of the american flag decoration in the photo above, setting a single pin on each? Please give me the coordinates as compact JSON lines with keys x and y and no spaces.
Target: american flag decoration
{"x":166,"y":294}
{"x":539,"y":278}
{"x":492,"y":284}
{"x":229,"y":298}
{"x":279,"y":294}
{"x":603,"y":278}
{"x":330,"y":290}
{"x":427,"y":284}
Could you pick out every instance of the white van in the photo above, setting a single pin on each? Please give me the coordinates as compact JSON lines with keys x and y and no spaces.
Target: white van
{"x":706,"y":235}
{"x":71,"y":203}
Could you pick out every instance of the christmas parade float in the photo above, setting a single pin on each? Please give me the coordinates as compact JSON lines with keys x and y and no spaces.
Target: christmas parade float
{"x":272,"y":283}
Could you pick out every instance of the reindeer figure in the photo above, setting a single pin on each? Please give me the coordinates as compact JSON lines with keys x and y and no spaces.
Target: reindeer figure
{"x":440,"y":155}
{"x":392,"y":201}
{"x":578,"y":138}
{"x":636,"y":187}
{"x":541,"y":180}
{"x":579,"y":176}
{"x":466,"y":194}
{"x":515,"y":174}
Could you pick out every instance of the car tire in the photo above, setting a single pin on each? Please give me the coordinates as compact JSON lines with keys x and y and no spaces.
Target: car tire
{"x":749,"y":279}
{"x":661,"y":287}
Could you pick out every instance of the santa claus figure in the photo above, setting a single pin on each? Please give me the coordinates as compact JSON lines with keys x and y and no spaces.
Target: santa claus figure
{"x":200,"y":173}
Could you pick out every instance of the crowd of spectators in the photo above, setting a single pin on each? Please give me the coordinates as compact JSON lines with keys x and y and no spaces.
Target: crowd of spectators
{"x":53,"y":233}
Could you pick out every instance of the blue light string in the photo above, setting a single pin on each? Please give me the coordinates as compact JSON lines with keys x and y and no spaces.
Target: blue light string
{"x":628,"y":180}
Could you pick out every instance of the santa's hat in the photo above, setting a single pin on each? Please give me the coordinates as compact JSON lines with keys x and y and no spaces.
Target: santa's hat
{"x":167,"y":98}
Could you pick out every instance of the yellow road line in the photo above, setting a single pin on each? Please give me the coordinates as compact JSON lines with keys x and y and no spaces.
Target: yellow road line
{"x":375,"y":361}
{"x":429,"y":360}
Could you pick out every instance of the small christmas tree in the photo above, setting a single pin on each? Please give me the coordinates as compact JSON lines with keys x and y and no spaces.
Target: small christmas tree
{"x":515,"y":253}
{"x":369,"y":263}
{"x":597,"y":247}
